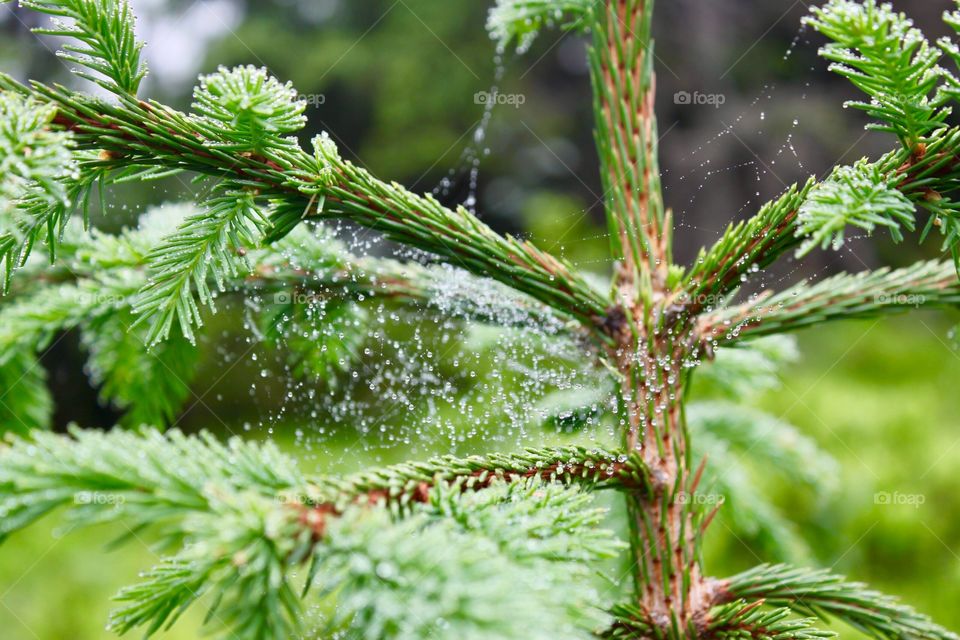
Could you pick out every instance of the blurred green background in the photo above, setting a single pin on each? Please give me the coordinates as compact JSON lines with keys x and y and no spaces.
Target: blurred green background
{"x":395,"y":82}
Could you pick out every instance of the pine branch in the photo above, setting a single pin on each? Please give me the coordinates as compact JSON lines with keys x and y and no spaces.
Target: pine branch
{"x":847,"y":296}
{"x":422,"y":222}
{"x":630,"y":623}
{"x":405,"y":484}
{"x":204,"y":247}
{"x":926,"y":179}
{"x":881,"y":52}
{"x":624,"y":86}
{"x":857,"y":196}
{"x":522,"y":20}
{"x":884,"y":56}
{"x":245,"y":518}
{"x":248,"y":109}
{"x":102,"y":39}
{"x":35,"y":161}
{"x":499,"y":572}
{"x":741,"y":619}
{"x":744,"y":248}
{"x":154,"y":476}
{"x":826,"y":595}
{"x":144,"y":135}
{"x":25,"y":401}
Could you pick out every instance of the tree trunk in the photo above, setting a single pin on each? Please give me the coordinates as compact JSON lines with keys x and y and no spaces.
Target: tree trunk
{"x":665,"y":525}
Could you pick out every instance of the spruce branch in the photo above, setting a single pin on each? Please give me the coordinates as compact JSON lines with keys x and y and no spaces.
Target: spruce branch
{"x":25,"y":401}
{"x":818,"y":213}
{"x":245,"y":518}
{"x":31,"y":153}
{"x":857,"y":196}
{"x":826,"y":595}
{"x":35,"y":163}
{"x":147,"y":134}
{"x":846,"y":296}
{"x":408,"y":483}
{"x":881,"y":52}
{"x":148,"y":476}
{"x":206,"y":246}
{"x":101,"y":39}
{"x":246,"y":109}
{"x":243,"y":551}
{"x":422,"y":222}
{"x":744,"y":248}
{"x":522,"y":20}
{"x":630,"y":622}
{"x":742,"y":619}
{"x":884,"y":56}
{"x":483,"y":580}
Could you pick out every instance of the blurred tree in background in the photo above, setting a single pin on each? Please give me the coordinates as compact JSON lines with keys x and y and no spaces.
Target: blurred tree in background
{"x":397,"y":82}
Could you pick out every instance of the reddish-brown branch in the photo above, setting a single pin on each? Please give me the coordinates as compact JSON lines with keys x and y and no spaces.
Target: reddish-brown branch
{"x":316,"y":516}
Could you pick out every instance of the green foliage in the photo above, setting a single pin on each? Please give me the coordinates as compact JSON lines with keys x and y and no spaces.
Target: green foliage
{"x":209,"y":244}
{"x":245,"y":521}
{"x":25,"y":402}
{"x":826,"y":595}
{"x":868,"y":294}
{"x":509,"y":545}
{"x":32,"y":154}
{"x":522,"y":20}
{"x":101,"y":38}
{"x":150,"y":385}
{"x":744,"y":248}
{"x":740,"y":618}
{"x":242,"y":552}
{"x":34,"y":162}
{"x":748,"y":448}
{"x":884,"y":56}
{"x":247,"y":109}
{"x":859,"y":196}
{"x":508,"y":562}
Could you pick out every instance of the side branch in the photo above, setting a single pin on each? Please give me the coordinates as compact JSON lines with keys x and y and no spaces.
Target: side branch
{"x":151,"y":477}
{"x":847,"y":296}
{"x":150,"y":134}
{"x":240,"y":520}
{"x":410,"y":483}
{"x":746,"y":246}
{"x":819,"y":593}
{"x":924,"y":176}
